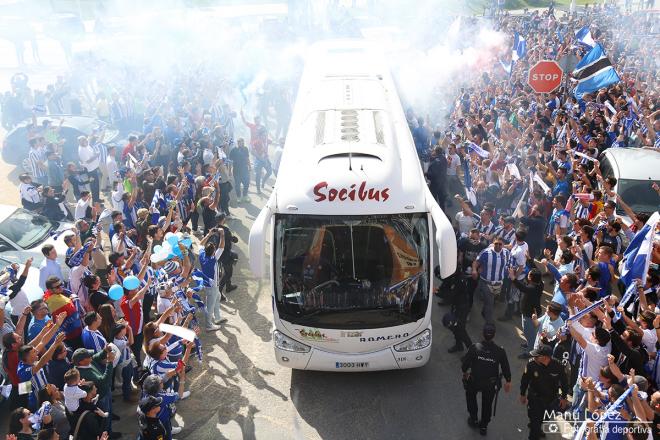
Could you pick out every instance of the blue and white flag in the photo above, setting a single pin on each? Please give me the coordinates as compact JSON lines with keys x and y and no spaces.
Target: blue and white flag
{"x":202,"y":280}
{"x":519,"y":48}
{"x":637,"y":258}
{"x":467,"y":181}
{"x":594,"y":72}
{"x":583,"y":37}
{"x":508,"y":67}
{"x":474,"y":148}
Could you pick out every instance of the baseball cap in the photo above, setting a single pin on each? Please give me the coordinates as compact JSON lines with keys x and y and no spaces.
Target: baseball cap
{"x":81,"y":354}
{"x":149,"y":403}
{"x":542,"y":350}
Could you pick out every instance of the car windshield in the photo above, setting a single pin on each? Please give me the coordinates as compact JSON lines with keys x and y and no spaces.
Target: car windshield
{"x":352,"y":272}
{"x":638,"y":194}
{"x":26,"y":229}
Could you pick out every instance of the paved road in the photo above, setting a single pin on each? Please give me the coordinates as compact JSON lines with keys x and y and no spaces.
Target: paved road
{"x":239,"y":391}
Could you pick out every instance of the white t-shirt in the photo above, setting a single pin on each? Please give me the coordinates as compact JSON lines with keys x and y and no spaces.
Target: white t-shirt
{"x":465,"y":222}
{"x":594,"y":357}
{"x":111,"y":167}
{"x":29,"y":192}
{"x":453,"y":162}
{"x":88,"y":154}
{"x":81,"y":208}
{"x":117,"y":196}
{"x":21,"y":301}
{"x":72,"y":396}
{"x":649,"y":338}
{"x":75,"y":281}
{"x":207,"y":156}
{"x":519,"y":257}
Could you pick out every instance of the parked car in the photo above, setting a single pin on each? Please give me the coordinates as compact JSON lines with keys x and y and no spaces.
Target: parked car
{"x":15,"y":147}
{"x":636,"y":169}
{"x":23,"y":233}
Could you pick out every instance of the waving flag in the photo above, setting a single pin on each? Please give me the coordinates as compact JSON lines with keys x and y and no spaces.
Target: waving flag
{"x":474,"y":148}
{"x":202,"y":280}
{"x":519,"y":48}
{"x":77,"y":258}
{"x":508,"y":67}
{"x":583,"y":37}
{"x":637,"y":257}
{"x":594,"y":72}
{"x":467,"y":181}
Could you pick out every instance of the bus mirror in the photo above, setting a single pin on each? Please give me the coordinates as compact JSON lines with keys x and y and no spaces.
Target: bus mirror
{"x":257,"y":241}
{"x":444,"y":237}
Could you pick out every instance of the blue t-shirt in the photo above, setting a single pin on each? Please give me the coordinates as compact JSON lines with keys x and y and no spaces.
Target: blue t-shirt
{"x":36,"y":325}
{"x":604,"y":279}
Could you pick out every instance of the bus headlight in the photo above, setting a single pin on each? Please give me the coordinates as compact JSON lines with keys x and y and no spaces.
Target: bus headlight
{"x":418,"y":342}
{"x":283,"y":342}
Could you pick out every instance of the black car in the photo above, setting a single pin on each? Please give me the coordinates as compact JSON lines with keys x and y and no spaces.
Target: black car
{"x":15,"y":147}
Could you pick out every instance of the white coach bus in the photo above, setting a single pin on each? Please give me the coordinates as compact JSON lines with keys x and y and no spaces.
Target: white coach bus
{"x":349,"y":224}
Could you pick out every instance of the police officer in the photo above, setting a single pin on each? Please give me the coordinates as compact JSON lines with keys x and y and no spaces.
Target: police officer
{"x":540,"y":388}
{"x":481,"y":373}
{"x":460,"y":309}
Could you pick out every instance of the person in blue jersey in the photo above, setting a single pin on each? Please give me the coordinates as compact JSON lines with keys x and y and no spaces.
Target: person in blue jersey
{"x":31,"y":373}
{"x":489,"y":269}
{"x":92,"y":337}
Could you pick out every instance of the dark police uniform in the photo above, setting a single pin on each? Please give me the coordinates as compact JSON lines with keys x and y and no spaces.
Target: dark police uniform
{"x":484,"y":360}
{"x":541,"y":384}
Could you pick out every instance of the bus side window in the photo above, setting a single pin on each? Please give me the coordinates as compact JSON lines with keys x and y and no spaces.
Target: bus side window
{"x":606,"y":168}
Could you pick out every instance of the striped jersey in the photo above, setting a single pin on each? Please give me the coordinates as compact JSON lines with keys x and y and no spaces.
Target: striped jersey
{"x":582,"y":211}
{"x":101,"y":151}
{"x":508,"y":236}
{"x":34,"y":157}
{"x":38,"y":381}
{"x":493,"y":265}
{"x":93,"y":339}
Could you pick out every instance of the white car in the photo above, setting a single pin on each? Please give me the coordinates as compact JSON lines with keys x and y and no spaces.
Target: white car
{"x":31,"y":286}
{"x":23,"y":233}
{"x":635,"y":169}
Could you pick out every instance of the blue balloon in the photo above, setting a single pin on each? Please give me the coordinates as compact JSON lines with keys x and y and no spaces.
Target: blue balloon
{"x":187,"y":242}
{"x":131,"y":282}
{"x":116,"y":292}
{"x":176,"y":251}
{"x":173,"y":240}
{"x":157,"y":249}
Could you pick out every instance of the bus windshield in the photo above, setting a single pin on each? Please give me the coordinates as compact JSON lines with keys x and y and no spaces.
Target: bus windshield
{"x":352,"y":272}
{"x":638,"y":194}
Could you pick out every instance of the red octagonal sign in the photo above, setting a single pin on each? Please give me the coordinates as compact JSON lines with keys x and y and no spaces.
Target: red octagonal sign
{"x":545,"y":76}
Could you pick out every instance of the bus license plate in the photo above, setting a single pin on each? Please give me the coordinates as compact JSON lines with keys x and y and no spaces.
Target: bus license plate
{"x":352,"y":364}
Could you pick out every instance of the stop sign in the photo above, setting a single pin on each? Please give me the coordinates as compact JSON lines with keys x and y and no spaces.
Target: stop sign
{"x":545,"y":76}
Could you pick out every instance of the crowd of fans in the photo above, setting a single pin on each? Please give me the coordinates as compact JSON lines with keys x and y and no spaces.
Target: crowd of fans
{"x":528,"y":206}
{"x":535,"y":212}
{"x":129,"y":268}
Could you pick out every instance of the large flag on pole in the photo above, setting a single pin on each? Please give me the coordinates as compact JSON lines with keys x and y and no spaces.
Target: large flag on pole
{"x":519,"y":48}
{"x":637,"y":258}
{"x":594,"y":72}
{"x":583,"y":36}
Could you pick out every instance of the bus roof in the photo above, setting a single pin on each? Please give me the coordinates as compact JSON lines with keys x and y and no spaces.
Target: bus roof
{"x":349,"y":150}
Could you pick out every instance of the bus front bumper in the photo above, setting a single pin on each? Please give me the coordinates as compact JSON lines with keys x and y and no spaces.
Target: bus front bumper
{"x":386,"y":359}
